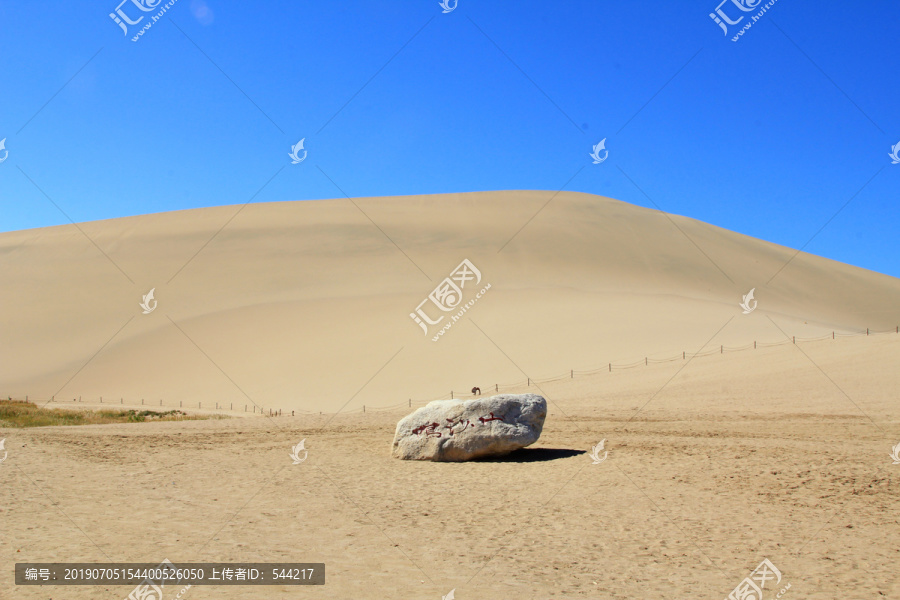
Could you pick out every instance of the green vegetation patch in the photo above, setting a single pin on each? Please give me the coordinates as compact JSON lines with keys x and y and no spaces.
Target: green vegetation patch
{"x":18,"y":413}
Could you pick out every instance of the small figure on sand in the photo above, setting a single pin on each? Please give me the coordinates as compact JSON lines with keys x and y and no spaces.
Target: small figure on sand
{"x":476,"y":391}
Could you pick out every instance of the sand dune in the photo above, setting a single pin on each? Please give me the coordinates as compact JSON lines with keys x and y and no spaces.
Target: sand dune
{"x":305,"y":305}
{"x":716,"y":461}
{"x":297,"y":305}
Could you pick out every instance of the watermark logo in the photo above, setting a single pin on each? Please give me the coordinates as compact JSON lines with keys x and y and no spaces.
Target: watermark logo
{"x":148,"y":298}
{"x":722,"y":17}
{"x":445,"y":4}
{"x":295,"y":452}
{"x":123,"y":20}
{"x":895,"y":151}
{"x":294,"y":154}
{"x":6,"y":152}
{"x":751,"y":588}
{"x":448,"y":297}
{"x":748,"y":298}
{"x":5,"y":453}
{"x":595,"y":453}
{"x":596,"y":153}
{"x":452,"y":593}
{"x":743,"y":5}
{"x":146,"y":591}
{"x":895,"y":454}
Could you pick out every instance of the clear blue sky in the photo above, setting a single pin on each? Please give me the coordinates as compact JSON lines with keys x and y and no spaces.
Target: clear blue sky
{"x":769,"y":136}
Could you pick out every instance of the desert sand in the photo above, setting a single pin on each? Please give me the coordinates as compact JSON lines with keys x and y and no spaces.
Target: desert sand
{"x":717,"y":458}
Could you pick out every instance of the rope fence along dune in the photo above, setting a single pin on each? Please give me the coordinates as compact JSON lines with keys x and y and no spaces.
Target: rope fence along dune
{"x":646,"y":361}
{"x":609,"y":367}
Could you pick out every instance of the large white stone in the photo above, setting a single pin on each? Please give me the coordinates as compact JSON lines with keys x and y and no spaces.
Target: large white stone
{"x":457,"y":430}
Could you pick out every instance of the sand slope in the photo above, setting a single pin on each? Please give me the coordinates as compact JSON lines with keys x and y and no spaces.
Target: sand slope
{"x":305,"y":305}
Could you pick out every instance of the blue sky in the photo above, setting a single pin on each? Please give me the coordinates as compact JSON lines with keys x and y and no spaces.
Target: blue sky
{"x":783,"y":135}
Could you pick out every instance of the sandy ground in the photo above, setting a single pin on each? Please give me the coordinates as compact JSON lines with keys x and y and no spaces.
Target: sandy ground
{"x":714,"y":464}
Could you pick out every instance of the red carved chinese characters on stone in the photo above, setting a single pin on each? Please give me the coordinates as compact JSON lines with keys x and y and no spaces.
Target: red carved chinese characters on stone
{"x":493,"y":418}
{"x":428,"y":429}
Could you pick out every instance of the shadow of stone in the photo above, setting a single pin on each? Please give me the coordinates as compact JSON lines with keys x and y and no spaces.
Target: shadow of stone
{"x":524,"y":455}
